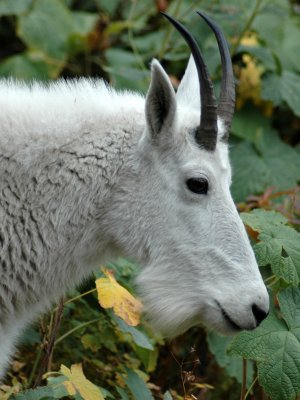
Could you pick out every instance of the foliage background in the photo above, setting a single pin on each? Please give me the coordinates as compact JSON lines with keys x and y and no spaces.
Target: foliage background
{"x":116,"y":40}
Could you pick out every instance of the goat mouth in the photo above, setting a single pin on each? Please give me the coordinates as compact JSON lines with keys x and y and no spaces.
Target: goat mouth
{"x":234,"y":326}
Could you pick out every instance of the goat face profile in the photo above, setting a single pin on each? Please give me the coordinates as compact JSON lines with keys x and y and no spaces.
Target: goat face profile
{"x":87,"y":174}
{"x":198,"y":263}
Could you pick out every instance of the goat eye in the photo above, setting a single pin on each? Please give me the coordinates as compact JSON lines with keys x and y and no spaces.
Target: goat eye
{"x":197,"y":185}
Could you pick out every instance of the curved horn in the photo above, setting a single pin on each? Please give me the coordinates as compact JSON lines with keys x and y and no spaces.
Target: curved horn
{"x":206,"y":132}
{"x":227,"y":95}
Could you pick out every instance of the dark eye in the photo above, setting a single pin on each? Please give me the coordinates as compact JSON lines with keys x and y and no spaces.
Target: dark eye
{"x":197,"y":185}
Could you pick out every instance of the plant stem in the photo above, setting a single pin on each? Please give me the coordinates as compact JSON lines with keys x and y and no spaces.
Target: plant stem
{"x":250,"y":388}
{"x":36,"y":362}
{"x":77,"y":297}
{"x":270,"y":278}
{"x":247,"y":26}
{"x":169,"y":32}
{"x":49,"y":346}
{"x":244,"y":382}
{"x":131,"y":39}
{"x":75,"y":329}
{"x":273,"y":282}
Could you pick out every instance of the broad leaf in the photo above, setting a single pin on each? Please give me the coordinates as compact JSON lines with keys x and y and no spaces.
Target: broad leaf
{"x":234,"y":367}
{"x":79,"y":383}
{"x":284,"y":87}
{"x":83,"y":22}
{"x":260,"y":219}
{"x":138,"y":337}
{"x":290,"y":90}
{"x":40,"y":393}
{"x":167,"y":396}
{"x":275,"y":346}
{"x":279,"y":244}
{"x":14,"y":7}
{"x":137,"y":386}
{"x":265,"y":162}
{"x":263,"y":54}
{"x":26,"y":66}
{"x":47,"y":28}
{"x":125,"y":70}
{"x":249,"y":124}
{"x":280,"y":33}
{"x":123,"y":394}
{"x":112,"y":295}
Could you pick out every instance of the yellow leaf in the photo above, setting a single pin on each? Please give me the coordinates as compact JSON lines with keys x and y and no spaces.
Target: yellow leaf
{"x":79,"y":383}
{"x":112,"y":295}
{"x":249,"y":39}
{"x":249,"y":86}
{"x":70,"y":388}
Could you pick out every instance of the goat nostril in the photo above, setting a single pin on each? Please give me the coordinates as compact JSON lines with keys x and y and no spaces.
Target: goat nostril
{"x":259,"y":314}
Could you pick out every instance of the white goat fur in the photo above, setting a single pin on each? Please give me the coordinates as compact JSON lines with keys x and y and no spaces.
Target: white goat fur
{"x":86,"y":175}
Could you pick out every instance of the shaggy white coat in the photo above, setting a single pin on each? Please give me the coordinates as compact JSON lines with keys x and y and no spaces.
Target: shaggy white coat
{"x":87,"y":174}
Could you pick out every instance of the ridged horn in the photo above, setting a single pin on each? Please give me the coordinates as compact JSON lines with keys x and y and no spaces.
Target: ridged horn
{"x":227,"y":95}
{"x":206,"y":132}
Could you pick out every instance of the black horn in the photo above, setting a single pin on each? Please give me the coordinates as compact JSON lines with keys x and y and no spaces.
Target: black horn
{"x":227,"y":95}
{"x":206,"y":133}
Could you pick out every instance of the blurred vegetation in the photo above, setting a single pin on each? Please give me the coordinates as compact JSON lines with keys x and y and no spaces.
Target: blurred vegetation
{"x":116,"y":40}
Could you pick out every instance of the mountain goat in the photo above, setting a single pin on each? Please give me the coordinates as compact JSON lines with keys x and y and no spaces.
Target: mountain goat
{"x":88,"y":174}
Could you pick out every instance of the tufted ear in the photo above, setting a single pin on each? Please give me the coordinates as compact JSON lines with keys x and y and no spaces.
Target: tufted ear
{"x":160,"y":101}
{"x":188,"y":92}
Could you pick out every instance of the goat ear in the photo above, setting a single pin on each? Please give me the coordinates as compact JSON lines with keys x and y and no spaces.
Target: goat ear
{"x":188,"y":92}
{"x":160,"y":101}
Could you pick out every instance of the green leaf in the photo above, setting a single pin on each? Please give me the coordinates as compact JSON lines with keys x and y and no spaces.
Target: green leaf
{"x":249,"y":124}
{"x":106,"y":335}
{"x":109,"y":7}
{"x":115,"y":27}
{"x":14,"y":7}
{"x":120,"y":56}
{"x":47,"y":28}
{"x":91,"y":342}
{"x":234,"y":367}
{"x":275,"y":346}
{"x":249,"y":171}
{"x":138,"y":337}
{"x":265,"y":162}
{"x":290,"y":90}
{"x":30,"y":337}
{"x":83,"y":22}
{"x":148,"y":357}
{"x":40,"y":393}
{"x":279,"y":244}
{"x":122,"y":393}
{"x":26,"y":66}
{"x":125,"y":71}
{"x":285,"y":87}
{"x":106,"y":393}
{"x":280,"y":32}
{"x":271,"y":89}
{"x":150,"y":44}
{"x":260,"y":219}
{"x":167,"y":396}
{"x":56,"y":384}
{"x":128,"y":77}
{"x":137,"y":386}
{"x":263,"y":54}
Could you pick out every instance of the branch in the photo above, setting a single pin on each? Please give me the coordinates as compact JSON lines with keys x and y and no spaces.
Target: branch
{"x":49,"y":346}
{"x":247,"y":26}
